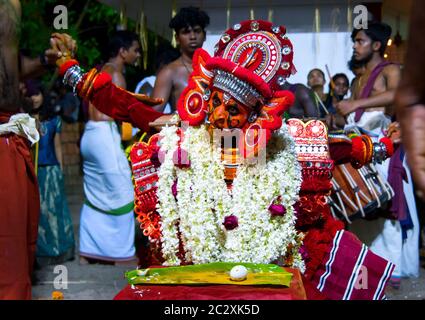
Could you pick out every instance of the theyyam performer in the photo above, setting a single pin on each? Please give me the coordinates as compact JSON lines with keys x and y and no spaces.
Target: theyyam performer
{"x":208,"y":202}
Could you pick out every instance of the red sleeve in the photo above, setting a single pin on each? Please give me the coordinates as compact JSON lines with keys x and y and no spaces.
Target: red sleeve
{"x":120,"y":104}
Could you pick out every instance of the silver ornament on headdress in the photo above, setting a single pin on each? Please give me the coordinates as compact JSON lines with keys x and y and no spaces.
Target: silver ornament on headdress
{"x":286,"y":50}
{"x":276,"y":29}
{"x":237,"y":26}
{"x":225,"y":38}
{"x":286,"y":65}
{"x":281,"y":80}
{"x":255,"y":26}
{"x":237,"y":88}
{"x":226,"y":97}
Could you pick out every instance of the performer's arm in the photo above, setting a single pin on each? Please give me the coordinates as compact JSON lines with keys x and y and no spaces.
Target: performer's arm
{"x":120,"y":104}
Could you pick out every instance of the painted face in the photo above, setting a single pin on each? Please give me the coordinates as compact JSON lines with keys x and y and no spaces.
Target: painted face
{"x":227,"y":113}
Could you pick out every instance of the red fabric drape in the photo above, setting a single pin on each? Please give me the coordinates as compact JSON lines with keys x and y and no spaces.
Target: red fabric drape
{"x":19,"y":214}
{"x":298,"y":290}
{"x":122,"y":106}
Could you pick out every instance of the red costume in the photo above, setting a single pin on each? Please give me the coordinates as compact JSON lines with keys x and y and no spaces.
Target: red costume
{"x":19,"y":213}
{"x":251,"y":61}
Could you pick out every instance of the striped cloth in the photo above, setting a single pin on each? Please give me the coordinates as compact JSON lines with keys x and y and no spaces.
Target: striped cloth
{"x":350,"y":271}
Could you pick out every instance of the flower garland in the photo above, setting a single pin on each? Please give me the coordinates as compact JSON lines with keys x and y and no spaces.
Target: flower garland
{"x":203,"y":202}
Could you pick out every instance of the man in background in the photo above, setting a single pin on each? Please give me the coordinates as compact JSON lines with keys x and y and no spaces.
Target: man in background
{"x":189,"y":25}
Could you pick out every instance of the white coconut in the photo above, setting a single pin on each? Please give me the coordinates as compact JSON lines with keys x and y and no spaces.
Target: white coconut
{"x":238,"y":273}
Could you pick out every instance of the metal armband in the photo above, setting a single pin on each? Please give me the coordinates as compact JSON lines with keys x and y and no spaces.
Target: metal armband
{"x":73,"y":77}
{"x":379,"y":152}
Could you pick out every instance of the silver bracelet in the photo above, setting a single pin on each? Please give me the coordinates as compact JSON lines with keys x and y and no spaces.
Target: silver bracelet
{"x":73,"y":77}
{"x":379,"y":152}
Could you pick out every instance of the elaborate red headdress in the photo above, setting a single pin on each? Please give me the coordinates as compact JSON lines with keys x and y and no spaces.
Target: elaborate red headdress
{"x":251,"y":62}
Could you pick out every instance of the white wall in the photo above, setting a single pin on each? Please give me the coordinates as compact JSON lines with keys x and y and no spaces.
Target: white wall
{"x":312,"y":50}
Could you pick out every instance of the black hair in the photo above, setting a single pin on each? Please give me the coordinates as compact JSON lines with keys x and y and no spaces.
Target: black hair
{"x":355,"y":64}
{"x":341,"y":75}
{"x":120,"y":39}
{"x":189,"y":17}
{"x":377,"y":32}
{"x":317,"y":69}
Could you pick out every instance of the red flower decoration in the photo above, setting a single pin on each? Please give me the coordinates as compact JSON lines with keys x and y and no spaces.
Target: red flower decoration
{"x":277,"y":210}
{"x":181,"y":158}
{"x":174,"y":189}
{"x":230,"y":222}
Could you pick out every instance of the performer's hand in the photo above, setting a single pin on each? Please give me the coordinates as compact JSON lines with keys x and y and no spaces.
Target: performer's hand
{"x":164,"y":120}
{"x":63,"y":48}
{"x":412,"y":121}
{"x":345,"y":107}
{"x":394,"y":132}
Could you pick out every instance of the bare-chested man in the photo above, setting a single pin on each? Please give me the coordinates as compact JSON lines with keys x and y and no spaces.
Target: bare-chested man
{"x":19,"y":197}
{"x":371,"y":109}
{"x":107,"y":223}
{"x":189,"y":25}
{"x":124,"y":49}
{"x":375,"y":88}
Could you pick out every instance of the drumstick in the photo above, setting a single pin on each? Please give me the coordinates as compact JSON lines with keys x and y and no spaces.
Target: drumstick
{"x":330,"y":78}
{"x":320,"y":102}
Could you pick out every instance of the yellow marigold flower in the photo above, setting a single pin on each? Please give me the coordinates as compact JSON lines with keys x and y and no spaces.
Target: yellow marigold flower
{"x":57,"y":295}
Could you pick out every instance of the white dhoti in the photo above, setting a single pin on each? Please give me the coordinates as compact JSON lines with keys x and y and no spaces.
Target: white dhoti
{"x":107,"y":219}
{"x":384,"y":236}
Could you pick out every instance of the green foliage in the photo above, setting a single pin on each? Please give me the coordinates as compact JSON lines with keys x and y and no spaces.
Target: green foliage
{"x":89,"y":23}
{"x":85,"y":20}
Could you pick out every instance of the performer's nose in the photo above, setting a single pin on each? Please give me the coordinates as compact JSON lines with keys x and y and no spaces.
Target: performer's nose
{"x":220,"y":117}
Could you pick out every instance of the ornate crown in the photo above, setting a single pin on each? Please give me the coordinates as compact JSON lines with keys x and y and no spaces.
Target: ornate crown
{"x":238,"y":89}
{"x":251,"y":62}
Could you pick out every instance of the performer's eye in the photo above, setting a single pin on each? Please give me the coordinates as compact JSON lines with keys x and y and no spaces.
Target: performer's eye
{"x":233,"y":110}
{"x":216,"y":101}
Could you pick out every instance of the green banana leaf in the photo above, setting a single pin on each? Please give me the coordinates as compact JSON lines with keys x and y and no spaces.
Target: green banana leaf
{"x":211,"y":273}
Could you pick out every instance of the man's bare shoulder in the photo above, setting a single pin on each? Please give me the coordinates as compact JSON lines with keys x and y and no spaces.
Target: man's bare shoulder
{"x":117,"y":76}
{"x":172,"y":67}
{"x":109,"y":68}
{"x":169,"y":71}
{"x":393,"y":68}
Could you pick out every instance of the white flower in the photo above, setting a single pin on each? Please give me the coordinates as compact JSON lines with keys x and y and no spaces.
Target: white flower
{"x":203,"y":200}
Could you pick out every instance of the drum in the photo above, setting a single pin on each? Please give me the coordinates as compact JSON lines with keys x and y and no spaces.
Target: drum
{"x":358,"y":193}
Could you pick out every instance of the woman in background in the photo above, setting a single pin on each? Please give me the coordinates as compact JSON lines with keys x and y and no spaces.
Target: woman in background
{"x":55,"y":242}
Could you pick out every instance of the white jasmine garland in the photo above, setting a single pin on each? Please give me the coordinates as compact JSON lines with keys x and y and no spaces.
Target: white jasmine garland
{"x":203,"y":201}
{"x":167,"y":205}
